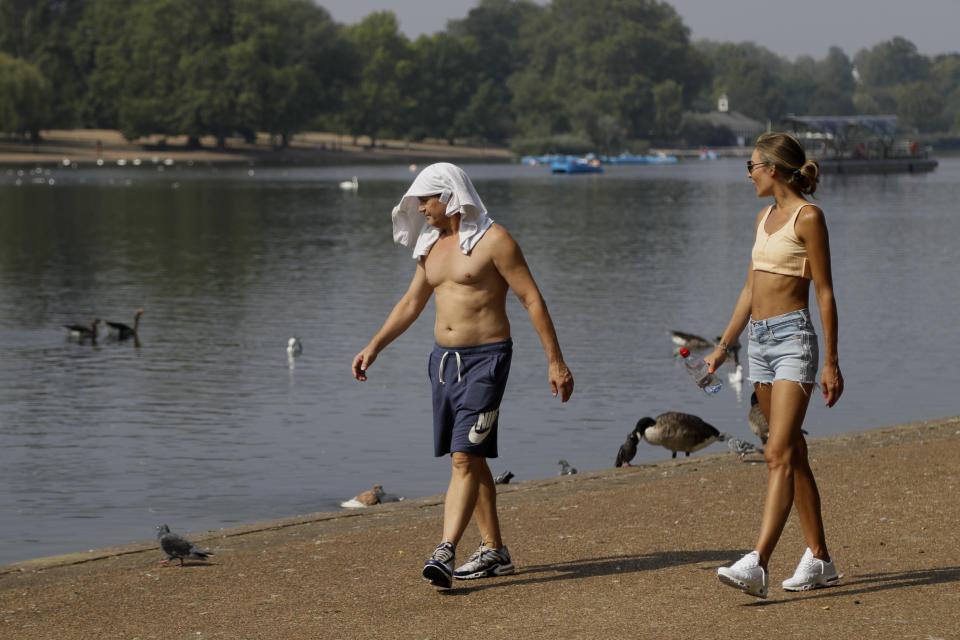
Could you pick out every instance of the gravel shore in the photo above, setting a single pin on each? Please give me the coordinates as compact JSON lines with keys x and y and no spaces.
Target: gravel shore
{"x":611,"y":553}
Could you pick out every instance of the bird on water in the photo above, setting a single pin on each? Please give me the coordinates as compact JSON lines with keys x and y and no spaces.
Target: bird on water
{"x":126,"y":331}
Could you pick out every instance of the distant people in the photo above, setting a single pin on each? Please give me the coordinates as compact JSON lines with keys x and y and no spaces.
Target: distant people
{"x":791,"y":248}
{"x":468,"y":263}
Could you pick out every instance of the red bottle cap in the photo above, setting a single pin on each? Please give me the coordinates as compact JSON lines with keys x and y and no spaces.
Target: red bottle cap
{"x":684,"y":351}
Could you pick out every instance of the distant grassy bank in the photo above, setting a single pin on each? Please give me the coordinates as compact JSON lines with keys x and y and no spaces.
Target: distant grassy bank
{"x":88,"y":145}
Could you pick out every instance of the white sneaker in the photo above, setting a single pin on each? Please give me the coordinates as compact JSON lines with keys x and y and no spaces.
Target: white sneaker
{"x":746,"y":574}
{"x":812,"y":573}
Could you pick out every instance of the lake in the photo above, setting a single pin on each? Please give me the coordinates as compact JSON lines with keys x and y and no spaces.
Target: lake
{"x":205,"y":424}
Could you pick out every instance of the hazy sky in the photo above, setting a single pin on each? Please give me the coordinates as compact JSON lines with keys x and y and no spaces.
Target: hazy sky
{"x":789,"y":28}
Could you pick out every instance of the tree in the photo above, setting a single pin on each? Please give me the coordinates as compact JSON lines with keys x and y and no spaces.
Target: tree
{"x":920,"y":105}
{"x":24,"y":98}
{"x":668,"y":101}
{"x":447,"y":75}
{"x":891,"y":63}
{"x":382,"y":99}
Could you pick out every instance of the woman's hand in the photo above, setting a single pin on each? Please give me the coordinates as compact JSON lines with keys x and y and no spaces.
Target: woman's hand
{"x":831,"y":382}
{"x":715,"y":359}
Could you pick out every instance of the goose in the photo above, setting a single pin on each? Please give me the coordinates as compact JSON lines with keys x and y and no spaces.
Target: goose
{"x":503,"y":478}
{"x":758,"y":421}
{"x":365,"y":499}
{"x":678,"y":432}
{"x":350,"y":185}
{"x":125,"y":331}
{"x":83,"y":332}
{"x":689,"y":340}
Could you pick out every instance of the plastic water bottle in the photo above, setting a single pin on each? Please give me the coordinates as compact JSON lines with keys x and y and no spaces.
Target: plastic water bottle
{"x":699,"y":370}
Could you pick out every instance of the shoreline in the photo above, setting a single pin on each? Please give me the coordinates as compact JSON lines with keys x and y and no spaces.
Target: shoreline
{"x":86,"y":146}
{"x":610,"y":551}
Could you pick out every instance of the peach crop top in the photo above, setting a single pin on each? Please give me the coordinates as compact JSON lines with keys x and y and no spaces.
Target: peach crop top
{"x":781,"y":251}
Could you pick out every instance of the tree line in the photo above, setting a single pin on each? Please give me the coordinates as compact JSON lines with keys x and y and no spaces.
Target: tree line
{"x":600,"y":74}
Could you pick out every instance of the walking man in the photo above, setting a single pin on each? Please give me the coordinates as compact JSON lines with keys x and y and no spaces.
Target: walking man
{"x":468,"y":263}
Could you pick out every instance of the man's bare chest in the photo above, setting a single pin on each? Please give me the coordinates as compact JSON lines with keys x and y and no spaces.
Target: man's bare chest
{"x":447,"y":264}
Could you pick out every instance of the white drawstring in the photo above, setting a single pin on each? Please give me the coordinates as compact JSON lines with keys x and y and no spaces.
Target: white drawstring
{"x":442,"y":360}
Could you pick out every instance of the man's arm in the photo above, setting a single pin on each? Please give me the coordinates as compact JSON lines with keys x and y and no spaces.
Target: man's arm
{"x":511,"y":264}
{"x":404,"y":313}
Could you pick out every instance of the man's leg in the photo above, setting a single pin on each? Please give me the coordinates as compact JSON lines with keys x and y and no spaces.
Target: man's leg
{"x":470,"y":478}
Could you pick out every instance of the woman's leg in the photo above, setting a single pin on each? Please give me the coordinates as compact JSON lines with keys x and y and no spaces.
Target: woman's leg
{"x":788,"y":471}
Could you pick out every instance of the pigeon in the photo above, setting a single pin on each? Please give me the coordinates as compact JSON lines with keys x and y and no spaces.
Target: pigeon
{"x":83,"y":332}
{"x":758,"y":421}
{"x":742,"y":447}
{"x":565,"y":468}
{"x":178,"y":547}
{"x":503,"y":478}
{"x":125,"y":331}
{"x":365,"y":499}
{"x":627,"y":450}
{"x":678,"y":432}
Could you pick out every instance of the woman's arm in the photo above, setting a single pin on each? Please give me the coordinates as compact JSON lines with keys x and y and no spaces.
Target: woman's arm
{"x":811,"y":228}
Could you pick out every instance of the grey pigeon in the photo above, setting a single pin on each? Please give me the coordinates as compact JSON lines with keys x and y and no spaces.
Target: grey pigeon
{"x":679,"y":432}
{"x":627,"y":450}
{"x":742,"y":447}
{"x":503,"y":478}
{"x":178,"y":547}
{"x":565,"y":468}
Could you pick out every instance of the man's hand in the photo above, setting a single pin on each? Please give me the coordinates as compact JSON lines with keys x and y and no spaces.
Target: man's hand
{"x":561,"y":381}
{"x":360,"y":363}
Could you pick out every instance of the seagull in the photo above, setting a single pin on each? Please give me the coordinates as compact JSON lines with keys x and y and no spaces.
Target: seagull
{"x":82,"y":332}
{"x":350,"y":185}
{"x":627,"y":450}
{"x":503,"y":478}
{"x":125,"y":331}
{"x":365,"y":499}
{"x":758,"y":421}
{"x":565,"y":468}
{"x":678,"y":432}
{"x":178,"y":547}
{"x":294,"y":347}
{"x":742,"y":447}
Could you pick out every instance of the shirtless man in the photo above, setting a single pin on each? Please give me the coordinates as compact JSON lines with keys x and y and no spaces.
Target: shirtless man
{"x":471,"y":357}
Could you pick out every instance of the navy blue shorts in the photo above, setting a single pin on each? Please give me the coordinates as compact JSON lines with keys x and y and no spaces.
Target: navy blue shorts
{"x":468,"y":384}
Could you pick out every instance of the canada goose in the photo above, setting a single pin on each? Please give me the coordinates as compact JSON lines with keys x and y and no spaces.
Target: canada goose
{"x":83,"y":332}
{"x":126,"y":331}
{"x":678,"y":432}
{"x":350,"y":185}
{"x":689,"y":340}
{"x":758,"y":421}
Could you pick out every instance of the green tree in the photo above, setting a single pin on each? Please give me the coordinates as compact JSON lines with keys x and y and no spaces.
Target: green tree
{"x":447,"y":77}
{"x":920,"y":105}
{"x":891,"y":63}
{"x":381,"y":100}
{"x":668,"y":101}
{"x":24,"y":98}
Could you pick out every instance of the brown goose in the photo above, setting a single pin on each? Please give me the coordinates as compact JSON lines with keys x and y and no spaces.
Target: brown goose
{"x":678,"y":432}
{"x":126,"y":331}
{"x":83,"y":332}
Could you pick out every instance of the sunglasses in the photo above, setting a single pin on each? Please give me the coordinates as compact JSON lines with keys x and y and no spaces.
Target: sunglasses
{"x":751,"y":164}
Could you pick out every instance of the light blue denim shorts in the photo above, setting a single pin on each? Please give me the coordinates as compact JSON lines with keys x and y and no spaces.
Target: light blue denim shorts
{"x":783,"y":347}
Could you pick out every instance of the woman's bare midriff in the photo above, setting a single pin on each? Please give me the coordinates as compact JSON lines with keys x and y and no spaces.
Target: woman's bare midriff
{"x":775,"y":294}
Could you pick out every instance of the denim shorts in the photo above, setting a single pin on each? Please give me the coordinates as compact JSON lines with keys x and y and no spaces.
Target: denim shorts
{"x":783,"y":347}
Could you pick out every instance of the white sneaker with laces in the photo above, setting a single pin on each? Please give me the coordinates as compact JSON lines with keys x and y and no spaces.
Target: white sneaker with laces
{"x":747,"y":575}
{"x":812,"y":573}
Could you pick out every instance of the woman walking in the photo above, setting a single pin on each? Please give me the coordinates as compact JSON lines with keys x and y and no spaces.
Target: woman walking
{"x":791,"y":248}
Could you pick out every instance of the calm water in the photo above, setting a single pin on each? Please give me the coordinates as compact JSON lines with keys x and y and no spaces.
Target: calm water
{"x":205,"y":425}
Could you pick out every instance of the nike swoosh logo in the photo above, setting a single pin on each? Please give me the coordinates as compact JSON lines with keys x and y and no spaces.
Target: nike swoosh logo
{"x":481,"y":429}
